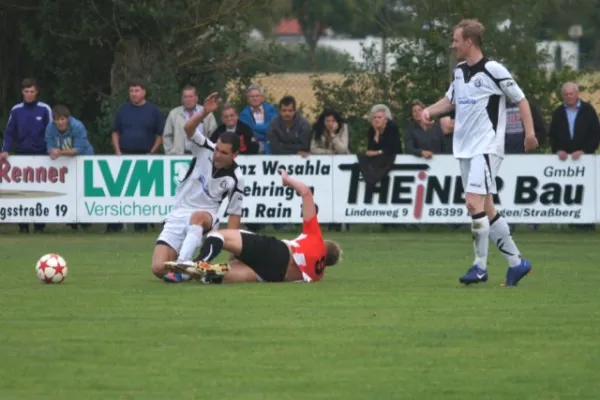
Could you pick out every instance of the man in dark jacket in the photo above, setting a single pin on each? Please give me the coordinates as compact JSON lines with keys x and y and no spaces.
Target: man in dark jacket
{"x":231,"y":123}
{"x":575,"y":128}
{"x":26,"y":130}
{"x":290,"y":132}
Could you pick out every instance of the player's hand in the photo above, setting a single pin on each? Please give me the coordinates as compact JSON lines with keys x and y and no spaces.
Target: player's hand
{"x":211,"y":103}
{"x":531,"y":143}
{"x":285,"y":178}
{"x":426,"y":117}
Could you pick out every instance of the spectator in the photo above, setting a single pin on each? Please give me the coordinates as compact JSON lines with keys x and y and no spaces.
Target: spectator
{"x":447,"y":125}
{"x":383,"y":142}
{"x":174,"y":138}
{"x":330,"y":134}
{"x":383,"y":135}
{"x":423,"y":140}
{"x":67,"y":137}
{"x":289,"y":133}
{"x":231,"y":123}
{"x":514,"y":140}
{"x":26,"y":129}
{"x":574,"y":128}
{"x":258,"y":116}
{"x":137,"y":129}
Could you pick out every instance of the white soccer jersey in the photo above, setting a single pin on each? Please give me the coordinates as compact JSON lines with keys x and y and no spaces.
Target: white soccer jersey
{"x":204,"y":187}
{"x":479,"y":94}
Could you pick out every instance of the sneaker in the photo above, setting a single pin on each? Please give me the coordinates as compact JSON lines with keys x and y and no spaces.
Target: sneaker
{"x":173,"y":277}
{"x":475,"y":274}
{"x":516,"y":273}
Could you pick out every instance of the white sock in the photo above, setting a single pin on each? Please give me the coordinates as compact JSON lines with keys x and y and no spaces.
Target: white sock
{"x":500,"y":234}
{"x":480,"y":228}
{"x":192,"y":241}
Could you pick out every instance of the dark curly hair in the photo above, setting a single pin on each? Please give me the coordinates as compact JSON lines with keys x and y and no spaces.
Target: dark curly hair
{"x":319,"y":126}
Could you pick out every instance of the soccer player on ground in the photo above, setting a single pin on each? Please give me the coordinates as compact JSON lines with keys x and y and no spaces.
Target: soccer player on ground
{"x":478,"y":94}
{"x":212,"y":176}
{"x":267,"y":259}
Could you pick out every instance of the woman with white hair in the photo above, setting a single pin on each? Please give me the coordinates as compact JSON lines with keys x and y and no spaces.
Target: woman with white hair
{"x":383,"y":135}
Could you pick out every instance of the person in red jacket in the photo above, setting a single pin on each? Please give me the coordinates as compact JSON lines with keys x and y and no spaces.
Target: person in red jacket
{"x":261,"y":258}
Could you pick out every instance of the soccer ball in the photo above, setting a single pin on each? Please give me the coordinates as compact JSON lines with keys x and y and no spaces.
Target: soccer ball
{"x":51,"y":268}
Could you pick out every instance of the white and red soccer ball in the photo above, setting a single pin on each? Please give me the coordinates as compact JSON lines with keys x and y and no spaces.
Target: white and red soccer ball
{"x":51,"y":268}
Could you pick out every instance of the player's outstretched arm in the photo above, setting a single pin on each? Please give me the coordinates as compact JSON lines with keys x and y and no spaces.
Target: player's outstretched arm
{"x":309,"y":209}
{"x":531,"y":143}
{"x":211,"y":103}
{"x":443,"y":106}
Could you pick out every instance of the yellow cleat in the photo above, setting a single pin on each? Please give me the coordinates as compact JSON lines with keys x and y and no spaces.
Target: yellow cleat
{"x":213,"y":269}
{"x":197,"y":270}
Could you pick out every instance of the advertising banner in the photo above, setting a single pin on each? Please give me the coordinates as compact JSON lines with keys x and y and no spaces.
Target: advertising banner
{"x":543,"y":189}
{"x":537,"y":189}
{"x":267,"y":201}
{"x":37,"y":189}
{"x":414,"y":191}
{"x":531,"y":189}
{"x":127,"y":188}
{"x":142,"y":188}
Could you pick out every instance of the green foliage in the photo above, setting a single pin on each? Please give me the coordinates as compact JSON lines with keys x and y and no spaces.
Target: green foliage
{"x":422,"y":61}
{"x":85,"y":52}
{"x":277,"y":57}
{"x":315,"y":16}
{"x":162,"y":89}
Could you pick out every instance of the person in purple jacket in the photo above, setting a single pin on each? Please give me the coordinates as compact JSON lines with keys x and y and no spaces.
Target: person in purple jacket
{"x":25,"y":130}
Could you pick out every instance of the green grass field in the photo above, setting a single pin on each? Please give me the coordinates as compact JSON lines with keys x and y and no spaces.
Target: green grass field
{"x":391,"y":322}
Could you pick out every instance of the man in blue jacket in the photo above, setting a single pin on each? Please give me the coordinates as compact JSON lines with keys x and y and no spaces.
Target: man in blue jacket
{"x":66,"y":136}
{"x":258,"y":114}
{"x":26,"y":129}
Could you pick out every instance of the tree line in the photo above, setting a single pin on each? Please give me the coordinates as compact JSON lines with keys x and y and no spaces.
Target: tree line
{"x":83,"y":52}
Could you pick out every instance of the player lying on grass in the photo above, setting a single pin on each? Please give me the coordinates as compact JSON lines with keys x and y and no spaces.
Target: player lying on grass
{"x":261,"y":258}
{"x":212,"y":176}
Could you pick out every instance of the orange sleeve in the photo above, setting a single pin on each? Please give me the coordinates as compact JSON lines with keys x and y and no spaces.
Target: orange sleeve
{"x":311,"y":227}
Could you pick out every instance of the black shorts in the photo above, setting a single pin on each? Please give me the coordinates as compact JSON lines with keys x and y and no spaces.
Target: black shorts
{"x":266,"y":255}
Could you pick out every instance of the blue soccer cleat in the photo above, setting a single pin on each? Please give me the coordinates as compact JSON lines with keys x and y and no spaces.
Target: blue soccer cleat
{"x":475,"y":274}
{"x":516,"y":273}
{"x":174,"y":277}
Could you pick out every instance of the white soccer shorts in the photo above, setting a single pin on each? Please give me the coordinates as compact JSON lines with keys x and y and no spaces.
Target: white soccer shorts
{"x":176,"y":227}
{"x":479,"y":173}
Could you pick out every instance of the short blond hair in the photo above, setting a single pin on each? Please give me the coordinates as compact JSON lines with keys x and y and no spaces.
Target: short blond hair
{"x":334,"y":253}
{"x":471,"y":29}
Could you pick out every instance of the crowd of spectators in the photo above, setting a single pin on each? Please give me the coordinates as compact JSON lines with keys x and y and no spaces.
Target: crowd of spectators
{"x":34,"y":128}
